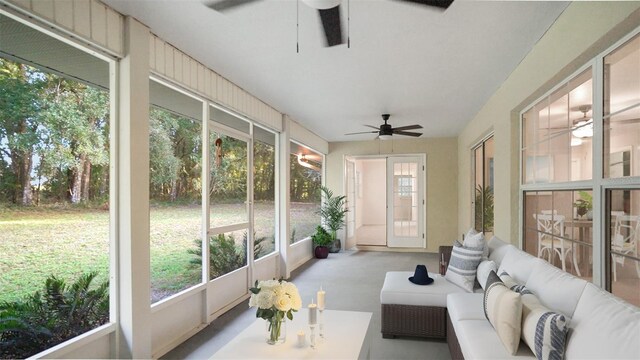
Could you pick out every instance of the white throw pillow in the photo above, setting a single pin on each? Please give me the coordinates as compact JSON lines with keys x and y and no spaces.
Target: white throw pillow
{"x":543,"y":330}
{"x":475,"y":239}
{"x":503,"y":309}
{"x":485,"y":267}
{"x":463,"y":266}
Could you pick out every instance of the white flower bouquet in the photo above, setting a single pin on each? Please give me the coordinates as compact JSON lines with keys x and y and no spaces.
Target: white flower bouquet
{"x":275,"y":299}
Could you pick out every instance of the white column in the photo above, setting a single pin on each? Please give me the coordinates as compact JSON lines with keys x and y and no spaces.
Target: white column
{"x":134,"y":304}
{"x":284,"y":205}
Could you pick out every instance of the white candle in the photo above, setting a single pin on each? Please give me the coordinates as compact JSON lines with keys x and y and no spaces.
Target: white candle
{"x":301,"y":338}
{"x":313,"y":313}
{"x":321,"y":299}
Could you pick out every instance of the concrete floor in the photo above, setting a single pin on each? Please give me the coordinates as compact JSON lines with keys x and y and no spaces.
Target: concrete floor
{"x":352,"y":280}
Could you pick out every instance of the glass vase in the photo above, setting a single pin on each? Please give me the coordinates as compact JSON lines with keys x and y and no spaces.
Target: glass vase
{"x":276,"y":331}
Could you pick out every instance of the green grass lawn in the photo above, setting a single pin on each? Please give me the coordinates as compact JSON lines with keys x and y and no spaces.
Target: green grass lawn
{"x":66,"y":242}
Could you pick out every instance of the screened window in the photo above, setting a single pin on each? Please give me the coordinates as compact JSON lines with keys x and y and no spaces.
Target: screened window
{"x":483,"y":187}
{"x":306,"y":180}
{"x":264,"y":191}
{"x":55,"y":158}
{"x":175,"y":191}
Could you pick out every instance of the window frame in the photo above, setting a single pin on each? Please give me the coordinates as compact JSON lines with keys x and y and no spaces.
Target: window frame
{"x":598,"y":184}
{"x":480,"y":144}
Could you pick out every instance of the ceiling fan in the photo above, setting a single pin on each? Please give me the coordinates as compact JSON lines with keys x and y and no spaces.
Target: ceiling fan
{"x":328,"y":10}
{"x":386,"y":131}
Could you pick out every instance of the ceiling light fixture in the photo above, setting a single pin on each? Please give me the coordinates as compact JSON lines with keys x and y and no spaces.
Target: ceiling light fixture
{"x":584,"y":127}
{"x":303,"y":161}
{"x":384,"y":137}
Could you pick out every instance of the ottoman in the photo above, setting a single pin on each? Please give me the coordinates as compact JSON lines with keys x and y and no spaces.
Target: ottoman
{"x":415,"y":310}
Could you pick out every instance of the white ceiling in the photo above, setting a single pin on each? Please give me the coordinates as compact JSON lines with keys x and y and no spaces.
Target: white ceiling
{"x":419,"y":64}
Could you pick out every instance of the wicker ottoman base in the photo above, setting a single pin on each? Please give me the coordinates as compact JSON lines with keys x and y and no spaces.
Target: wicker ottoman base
{"x":412,"y":320}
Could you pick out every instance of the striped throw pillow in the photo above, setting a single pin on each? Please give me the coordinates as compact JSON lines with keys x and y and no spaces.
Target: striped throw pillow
{"x":463,"y":266}
{"x":543,"y":330}
{"x":503,"y":309}
{"x":512,"y":284}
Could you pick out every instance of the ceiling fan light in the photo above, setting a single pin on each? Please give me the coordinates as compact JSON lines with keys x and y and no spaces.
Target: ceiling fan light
{"x":384,"y":137}
{"x":584,"y":129}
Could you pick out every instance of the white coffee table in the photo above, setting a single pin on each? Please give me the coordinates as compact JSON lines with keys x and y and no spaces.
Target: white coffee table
{"x":345,"y":337}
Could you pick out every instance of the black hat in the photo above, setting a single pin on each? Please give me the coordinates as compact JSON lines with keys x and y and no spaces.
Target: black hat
{"x":421,"y":276}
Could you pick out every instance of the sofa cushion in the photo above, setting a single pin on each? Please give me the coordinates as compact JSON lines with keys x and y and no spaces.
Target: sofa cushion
{"x":543,"y":330}
{"x":512,"y":284}
{"x":465,"y":306}
{"x":397,"y":289}
{"x":478,"y":340}
{"x":518,"y":264}
{"x":484,"y":269}
{"x":603,"y":327}
{"x":463,"y":265}
{"x":497,"y":249}
{"x":503,"y":309}
{"x":555,"y":288}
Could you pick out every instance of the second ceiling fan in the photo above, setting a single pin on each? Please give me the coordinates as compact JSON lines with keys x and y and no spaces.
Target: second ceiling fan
{"x":386,"y":131}
{"x":328,"y":11}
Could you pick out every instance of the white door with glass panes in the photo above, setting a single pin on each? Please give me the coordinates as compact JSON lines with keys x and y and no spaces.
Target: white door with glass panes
{"x":405,"y":202}
{"x":230,"y":227}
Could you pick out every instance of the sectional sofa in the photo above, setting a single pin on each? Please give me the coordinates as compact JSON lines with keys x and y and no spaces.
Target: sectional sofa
{"x":601,"y":326}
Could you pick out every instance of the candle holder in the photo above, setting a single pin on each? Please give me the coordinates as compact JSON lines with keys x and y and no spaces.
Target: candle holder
{"x":312,"y":335}
{"x":321,"y":323}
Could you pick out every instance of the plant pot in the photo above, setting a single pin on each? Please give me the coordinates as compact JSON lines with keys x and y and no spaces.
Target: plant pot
{"x":335,"y":246}
{"x":321,"y":252}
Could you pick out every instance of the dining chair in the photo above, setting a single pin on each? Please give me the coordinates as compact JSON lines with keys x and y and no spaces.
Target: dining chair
{"x":625,"y":241}
{"x":551,"y":239}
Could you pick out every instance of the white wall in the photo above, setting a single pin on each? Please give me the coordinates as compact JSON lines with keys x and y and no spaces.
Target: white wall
{"x":374,"y":192}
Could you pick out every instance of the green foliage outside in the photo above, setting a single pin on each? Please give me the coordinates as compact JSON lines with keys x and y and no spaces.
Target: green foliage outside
{"x":54,"y":187}
{"x":226,"y":255}
{"x":58,"y":313}
{"x":484,"y":209}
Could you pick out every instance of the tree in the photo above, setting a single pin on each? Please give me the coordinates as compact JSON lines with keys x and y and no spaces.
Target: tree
{"x":20,"y":87}
{"x":75,"y":132}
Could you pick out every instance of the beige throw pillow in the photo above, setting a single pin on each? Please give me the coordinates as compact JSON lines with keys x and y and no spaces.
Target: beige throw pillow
{"x":503,"y":309}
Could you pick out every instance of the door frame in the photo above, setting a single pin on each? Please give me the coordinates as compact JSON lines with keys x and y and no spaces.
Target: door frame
{"x":423,"y":219}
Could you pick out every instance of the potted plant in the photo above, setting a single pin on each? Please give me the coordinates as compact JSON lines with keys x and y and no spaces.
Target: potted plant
{"x":332,"y":211}
{"x":584,"y":204}
{"x":321,"y":239}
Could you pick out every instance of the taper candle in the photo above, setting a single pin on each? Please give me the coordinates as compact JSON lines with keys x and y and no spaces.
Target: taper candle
{"x":321,"y":294}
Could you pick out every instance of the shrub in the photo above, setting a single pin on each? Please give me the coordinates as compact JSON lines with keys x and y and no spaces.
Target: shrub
{"x":61,"y":312}
{"x":225,"y":255}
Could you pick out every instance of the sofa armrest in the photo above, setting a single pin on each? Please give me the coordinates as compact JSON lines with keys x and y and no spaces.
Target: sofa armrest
{"x":444,"y":253}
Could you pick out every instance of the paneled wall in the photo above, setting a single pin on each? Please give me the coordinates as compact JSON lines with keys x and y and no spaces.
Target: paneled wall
{"x":169,"y":62}
{"x":88,"y":20}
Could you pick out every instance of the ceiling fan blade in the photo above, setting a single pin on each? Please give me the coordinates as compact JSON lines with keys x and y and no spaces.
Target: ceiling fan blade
{"x":408,"y":127}
{"x":331,"y":24}
{"x":363,"y":132}
{"x":224,"y":5}
{"x":437,"y":3}
{"x":407,"y":133}
{"x":373,"y":127}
